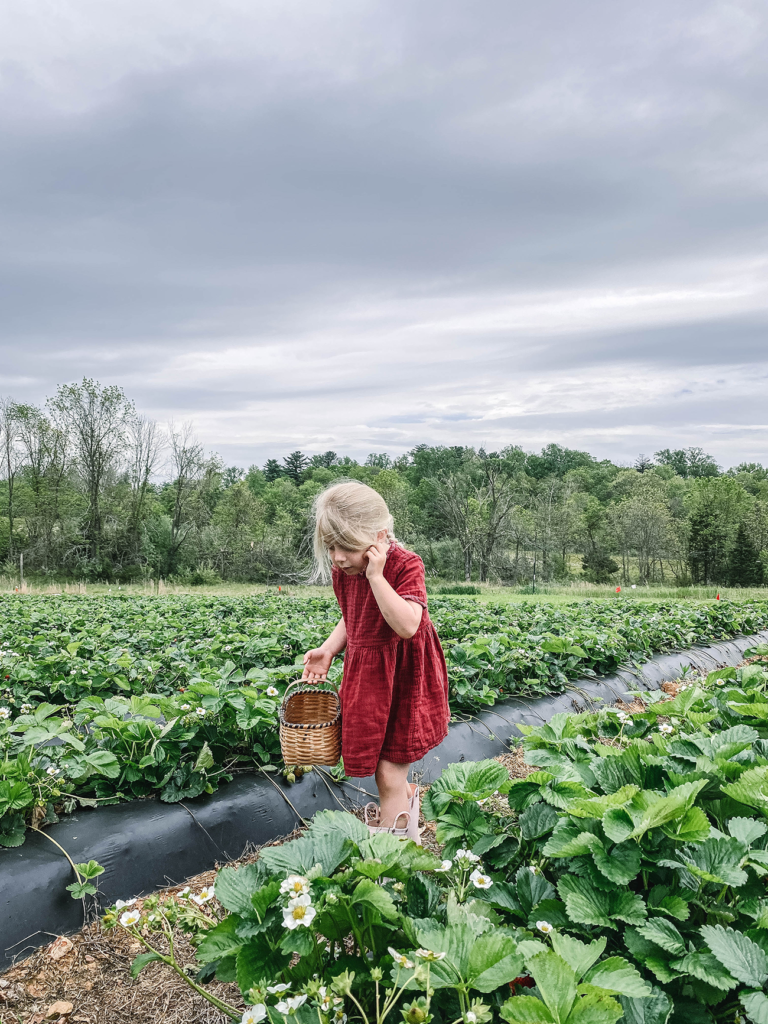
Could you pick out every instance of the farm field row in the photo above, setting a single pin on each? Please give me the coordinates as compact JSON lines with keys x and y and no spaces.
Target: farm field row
{"x":105,"y":699}
{"x":621,"y":876}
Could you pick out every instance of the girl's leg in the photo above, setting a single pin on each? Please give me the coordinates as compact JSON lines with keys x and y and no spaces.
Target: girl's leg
{"x":394,"y":790}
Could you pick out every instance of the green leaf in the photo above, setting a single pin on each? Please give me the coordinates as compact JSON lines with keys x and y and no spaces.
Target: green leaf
{"x":104,"y":762}
{"x":556,"y":983}
{"x":493,"y":961}
{"x":663,"y":809}
{"x":617,"y":975}
{"x":468,"y":780}
{"x":220,"y":941}
{"x":586,"y":905}
{"x":300,"y":940}
{"x":570,"y":841}
{"x":656,"y":1009}
{"x":744,"y":959}
{"x":90,"y":870}
{"x":693,"y":827}
{"x":621,"y":864}
{"x":13,"y":830}
{"x":756,"y":1005}
{"x":531,"y":888}
{"x":526,"y":1010}
{"x":14,"y":796}
{"x":234,"y":887}
{"x":664,"y":934}
{"x":746,"y":830}
{"x":578,"y":955}
{"x":81,"y":889}
{"x":716,"y":860}
{"x":594,"y":1007}
{"x":258,"y":963}
{"x":204,"y":759}
{"x":560,"y":794}
{"x":373,"y":895}
{"x":751,"y":788}
{"x":537,"y":820}
{"x":597,"y":806}
{"x":617,"y":824}
{"x":141,"y":961}
{"x":706,"y":967}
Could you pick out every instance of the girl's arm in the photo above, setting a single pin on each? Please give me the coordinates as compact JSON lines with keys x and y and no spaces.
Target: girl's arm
{"x":318,"y":661}
{"x":403,"y":616}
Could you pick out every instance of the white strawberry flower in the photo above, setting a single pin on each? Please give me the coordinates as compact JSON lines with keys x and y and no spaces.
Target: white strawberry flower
{"x":468,"y":856}
{"x":428,"y":955}
{"x":5,"y":713}
{"x":52,"y":771}
{"x":400,"y":959}
{"x":119,"y":904}
{"x":665,"y":729}
{"x":445,"y":865}
{"x":272,"y":691}
{"x":281,"y":986}
{"x":205,"y":894}
{"x":298,"y":912}
{"x":545,"y":926}
{"x":185,"y":707}
{"x":296,"y":885}
{"x":290,"y":1005}
{"x":185,"y":892}
{"x":254,"y":1014}
{"x":339,"y":1017}
{"x":534,"y":870}
{"x":201,"y":712}
{"x":470,"y":1018}
{"x":480,"y":881}
{"x":130,"y":918}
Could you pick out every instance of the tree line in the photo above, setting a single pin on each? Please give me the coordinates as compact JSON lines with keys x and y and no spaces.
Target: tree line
{"x":93,"y":490}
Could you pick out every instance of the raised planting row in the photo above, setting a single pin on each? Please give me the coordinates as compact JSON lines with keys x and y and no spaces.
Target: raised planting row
{"x":625,"y":878}
{"x":116,"y":698}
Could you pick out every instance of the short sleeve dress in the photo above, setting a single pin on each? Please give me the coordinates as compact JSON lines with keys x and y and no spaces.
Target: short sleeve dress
{"x":394,"y":693}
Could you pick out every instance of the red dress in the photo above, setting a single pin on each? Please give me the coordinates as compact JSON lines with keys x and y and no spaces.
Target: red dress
{"x":394,"y":694}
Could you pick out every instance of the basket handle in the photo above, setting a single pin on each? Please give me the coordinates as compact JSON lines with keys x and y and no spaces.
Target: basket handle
{"x":306,"y":682}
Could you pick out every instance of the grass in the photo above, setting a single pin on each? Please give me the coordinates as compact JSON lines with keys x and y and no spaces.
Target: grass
{"x":547,"y":592}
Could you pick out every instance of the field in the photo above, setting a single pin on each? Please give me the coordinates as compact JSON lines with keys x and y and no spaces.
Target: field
{"x":118,"y":697}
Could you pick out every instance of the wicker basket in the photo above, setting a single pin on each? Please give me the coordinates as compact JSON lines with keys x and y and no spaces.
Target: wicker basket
{"x":310,"y":726}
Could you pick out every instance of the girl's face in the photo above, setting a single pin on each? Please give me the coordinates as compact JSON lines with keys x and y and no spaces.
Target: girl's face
{"x":352,"y":563}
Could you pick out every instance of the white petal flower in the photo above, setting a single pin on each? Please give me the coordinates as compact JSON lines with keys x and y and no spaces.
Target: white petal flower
{"x":429,"y":955}
{"x":545,"y":926}
{"x":272,"y":691}
{"x":296,"y":885}
{"x":480,"y":881}
{"x":298,"y":912}
{"x":203,"y":896}
{"x":131,"y":917}
{"x":125,"y":903}
{"x":281,"y":986}
{"x":468,"y":856}
{"x":400,"y":959}
{"x":445,"y":865}
{"x":291,"y":1004}
{"x":254,"y":1014}
{"x":340,"y":1017}
{"x":5,"y":713}
{"x":665,"y":729}
{"x":483,"y":801}
{"x":201,"y":712}
{"x":185,"y":892}
{"x":470,"y":1018}
{"x":185,"y":707}
{"x":52,"y":771}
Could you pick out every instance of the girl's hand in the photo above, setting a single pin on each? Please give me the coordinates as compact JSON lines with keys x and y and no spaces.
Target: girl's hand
{"x":316,"y":664}
{"x":376,"y":556}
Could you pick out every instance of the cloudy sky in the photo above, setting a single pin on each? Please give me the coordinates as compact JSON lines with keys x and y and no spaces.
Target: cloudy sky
{"x":362,"y":225}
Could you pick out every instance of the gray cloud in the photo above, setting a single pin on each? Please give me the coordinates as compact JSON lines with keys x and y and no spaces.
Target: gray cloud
{"x":366,"y":225}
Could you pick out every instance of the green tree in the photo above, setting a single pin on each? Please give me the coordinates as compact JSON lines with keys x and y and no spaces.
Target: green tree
{"x":689,"y":462}
{"x":716,"y":508}
{"x":744,"y":566}
{"x":272,"y":470}
{"x":96,"y":419}
{"x":294,"y":465}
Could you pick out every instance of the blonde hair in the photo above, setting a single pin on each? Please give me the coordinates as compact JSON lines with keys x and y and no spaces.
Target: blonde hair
{"x":347,"y":514}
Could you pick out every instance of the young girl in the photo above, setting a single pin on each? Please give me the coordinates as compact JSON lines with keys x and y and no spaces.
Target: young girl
{"x":394,"y":693}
